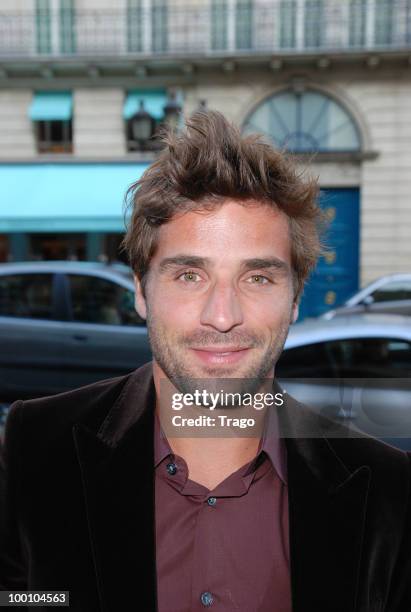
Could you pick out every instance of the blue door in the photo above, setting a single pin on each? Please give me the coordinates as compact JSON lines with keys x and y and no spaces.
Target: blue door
{"x":336,"y":277}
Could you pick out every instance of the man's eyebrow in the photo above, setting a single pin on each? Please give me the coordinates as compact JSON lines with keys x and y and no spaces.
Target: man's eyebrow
{"x":264,"y":263}
{"x":195,"y":261}
{"x":183,"y":260}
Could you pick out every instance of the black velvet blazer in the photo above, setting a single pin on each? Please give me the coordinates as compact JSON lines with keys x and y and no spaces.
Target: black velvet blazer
{"x":76,"y":519}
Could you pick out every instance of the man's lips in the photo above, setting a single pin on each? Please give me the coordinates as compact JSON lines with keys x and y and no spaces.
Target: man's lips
{"x":221,"y":354}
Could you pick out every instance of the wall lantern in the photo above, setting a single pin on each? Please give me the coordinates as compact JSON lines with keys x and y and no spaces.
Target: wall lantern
{"x":172,"y":110}
{"x":141,"y":125}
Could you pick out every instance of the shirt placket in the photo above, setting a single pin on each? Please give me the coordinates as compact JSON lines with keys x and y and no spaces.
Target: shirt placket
{"x":206,"y":588}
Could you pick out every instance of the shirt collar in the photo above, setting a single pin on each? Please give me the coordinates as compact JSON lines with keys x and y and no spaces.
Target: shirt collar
{"x":273,"y":445}
{"x":162,"y":448}
{"x":270,"y":443}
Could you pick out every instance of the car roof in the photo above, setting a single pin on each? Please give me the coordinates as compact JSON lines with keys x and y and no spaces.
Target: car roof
{"x":118,"y":272}
{"x":52,"y":264}
{"x":375,"y":284}
{"x":362,"y":325}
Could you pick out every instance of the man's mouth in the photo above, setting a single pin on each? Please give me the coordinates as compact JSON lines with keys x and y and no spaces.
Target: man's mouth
{"x":220,"y":355}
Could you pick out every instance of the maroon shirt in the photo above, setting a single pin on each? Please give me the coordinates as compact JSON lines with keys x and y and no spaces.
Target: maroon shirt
{"x":226,"y":549}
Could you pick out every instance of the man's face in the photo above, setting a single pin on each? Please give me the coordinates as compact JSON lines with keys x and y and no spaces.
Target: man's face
{"x":219,"y":294}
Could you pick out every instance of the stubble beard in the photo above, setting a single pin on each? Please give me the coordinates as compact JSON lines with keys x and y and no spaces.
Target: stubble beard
{"x":166,"y":349}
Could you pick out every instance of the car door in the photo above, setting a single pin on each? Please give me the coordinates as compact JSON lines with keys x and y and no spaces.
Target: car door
{"x":104,"y":337}
{"x":31,"y":334}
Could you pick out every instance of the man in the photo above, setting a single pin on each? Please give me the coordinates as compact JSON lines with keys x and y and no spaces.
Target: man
{"x":304,"y":516}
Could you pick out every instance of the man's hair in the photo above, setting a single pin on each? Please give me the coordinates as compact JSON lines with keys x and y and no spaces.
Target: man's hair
{"x":207,"y":162}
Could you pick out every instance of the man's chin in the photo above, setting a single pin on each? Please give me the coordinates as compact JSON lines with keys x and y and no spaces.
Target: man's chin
{"x":221,"y":371}
{"x":215,"y":385}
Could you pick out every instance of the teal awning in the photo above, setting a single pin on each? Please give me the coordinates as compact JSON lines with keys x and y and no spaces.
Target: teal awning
{"x":154,"y":102}
{"x":65,"y":197}
{"x":51,"y":106}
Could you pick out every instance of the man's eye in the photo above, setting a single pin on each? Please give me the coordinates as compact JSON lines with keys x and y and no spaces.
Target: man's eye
{"x":258,"y":279}
{"x":190,"y":277}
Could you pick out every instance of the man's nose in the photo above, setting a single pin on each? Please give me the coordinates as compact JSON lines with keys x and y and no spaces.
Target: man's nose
{"x":222,"y":309}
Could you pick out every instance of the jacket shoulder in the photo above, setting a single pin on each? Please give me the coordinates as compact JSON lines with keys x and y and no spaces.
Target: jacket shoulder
{"x":47,"y":416}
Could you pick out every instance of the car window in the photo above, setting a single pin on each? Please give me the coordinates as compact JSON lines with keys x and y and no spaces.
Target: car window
{"x":351,"y":358}
{"x":395,"y":290}
{"x":375,"y":358}
{"x":97,"y":300}
{"x":309,"y":361}
{"x":26,"y":295}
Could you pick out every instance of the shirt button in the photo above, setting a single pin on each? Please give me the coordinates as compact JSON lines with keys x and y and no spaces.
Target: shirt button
{"x":171,"y":468}
{"x":207,"y":599}
{"x":211,"y":501}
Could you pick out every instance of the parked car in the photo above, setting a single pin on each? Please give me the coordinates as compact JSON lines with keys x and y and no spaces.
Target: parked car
{"x":65,"y":324}
{"x":355,"y":368}
{"x":388,"y":294}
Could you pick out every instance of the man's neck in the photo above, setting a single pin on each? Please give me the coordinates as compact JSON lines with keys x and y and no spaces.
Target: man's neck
{"x":212,"y":460}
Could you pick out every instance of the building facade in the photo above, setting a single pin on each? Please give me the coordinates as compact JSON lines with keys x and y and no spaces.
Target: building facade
{"x":327,"y":80}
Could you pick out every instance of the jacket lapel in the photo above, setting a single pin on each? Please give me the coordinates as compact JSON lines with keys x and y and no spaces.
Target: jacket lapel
{"x":327,"y":510}
{"x":118,"y":481}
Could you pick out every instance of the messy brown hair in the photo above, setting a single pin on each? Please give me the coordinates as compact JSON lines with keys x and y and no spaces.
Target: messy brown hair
{"x":207,"y":162}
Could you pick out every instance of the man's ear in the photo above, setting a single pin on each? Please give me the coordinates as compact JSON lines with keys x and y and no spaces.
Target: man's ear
{"x":139,"y":300}
{"x":294,"y":313}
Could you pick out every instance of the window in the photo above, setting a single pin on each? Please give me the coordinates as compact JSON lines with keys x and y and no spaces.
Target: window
{"x":112,"y":249}
{"x":147,"y":26}
{"x":383,"y":22}
{"x":351,"y":358}
{"x":357,"y":22}
{"x":67,"y":27}
{"x":244,"y":24}
{"x":134,"y":26}
{"x":314,"y":23}
{"x":375,"y":358}
{"x":396,"y":290}
{"x":55,"y":31}
{"x":54,"y":136}
{"x":97,"y":300}
{"x":305,"y":122}
{"x":4,"y":248}
{"x":159,"y":27}
{"x":219,"y":23}
{"x":26,"y":295}
{"x":288,"y":19}
{"x":43,"y":26}
{"x":57,"y":246}
{"x":310,"y":361}
{"x":51,"y":114}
